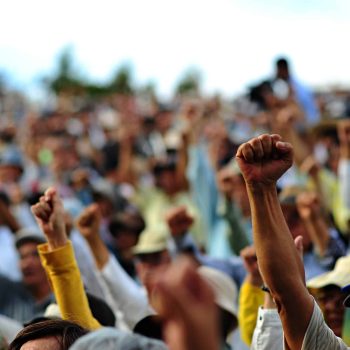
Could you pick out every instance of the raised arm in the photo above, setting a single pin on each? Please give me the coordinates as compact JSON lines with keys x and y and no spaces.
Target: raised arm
{"x":263,"y":160}
{"x":126,"y":295}
{"x":58,"y":259}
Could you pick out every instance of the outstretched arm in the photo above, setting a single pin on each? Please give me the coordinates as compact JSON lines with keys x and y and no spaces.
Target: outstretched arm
{"x":263,"y":160}
{"x":58,"y":259}
{"x":126,"y":295}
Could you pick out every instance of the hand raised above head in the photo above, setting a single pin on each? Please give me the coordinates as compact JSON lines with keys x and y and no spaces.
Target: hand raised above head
{"x":179,"y":220}
{"x":264,"y":159}
{"x":49,"y":214}
{"x":88,"y":222}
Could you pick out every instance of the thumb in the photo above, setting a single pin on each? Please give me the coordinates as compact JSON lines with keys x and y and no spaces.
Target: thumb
{"x":298,"y":241}
{"x":53,"y":198}
{"x":284,"y":147}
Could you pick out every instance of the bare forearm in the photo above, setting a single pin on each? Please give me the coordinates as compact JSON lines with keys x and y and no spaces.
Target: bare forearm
{"x":280,"y":264}
{"x":274,"y":243}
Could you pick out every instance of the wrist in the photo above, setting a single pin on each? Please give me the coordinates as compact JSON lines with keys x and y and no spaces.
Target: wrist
{"x":254,"y":280}
{"x":93,"y":238}
{"x":57,"y":242}
{"x":257,"y":188}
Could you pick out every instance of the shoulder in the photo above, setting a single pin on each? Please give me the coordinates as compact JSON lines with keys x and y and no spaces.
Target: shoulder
{"x":319,"y":336}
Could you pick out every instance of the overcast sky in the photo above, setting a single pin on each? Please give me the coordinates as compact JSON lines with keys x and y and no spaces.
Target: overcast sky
{"x":232,"y":42}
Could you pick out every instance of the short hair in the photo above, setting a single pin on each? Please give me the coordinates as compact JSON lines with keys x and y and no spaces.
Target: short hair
{"x":282,"y":62}
{"x":65,"y":332}
{"x":129,"y":220}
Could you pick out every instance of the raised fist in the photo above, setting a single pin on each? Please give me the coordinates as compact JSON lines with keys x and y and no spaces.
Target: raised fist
{"x":88,"y":222}
{"x":264,"y":159}
{"x":179,"y":220}
{"x":50,"y":216}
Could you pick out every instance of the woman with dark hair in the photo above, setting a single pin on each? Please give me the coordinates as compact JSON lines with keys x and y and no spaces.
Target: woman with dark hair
{"x":50,"y":334}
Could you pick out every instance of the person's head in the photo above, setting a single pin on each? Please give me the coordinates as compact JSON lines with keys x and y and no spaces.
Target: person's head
{"x":33,"y":274}
{"x":152,"y":256}
{"x":288,"y":197}
{"x":164,"y":119}
{"x":11,"y":165}
{"x":296,"y":225}
{"x":126,"y":228}
{"x":225,"y":292}
{"x":282,"y":68}
{"x":329,"y":294}
{"x":165,"y":176}
{"x":48,"y":335}
{"x":331,"y":298}
{"x":115,"y":339}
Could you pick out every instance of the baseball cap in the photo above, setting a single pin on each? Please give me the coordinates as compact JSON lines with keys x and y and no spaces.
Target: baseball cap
{"x":339,"y":276}
{"x":29,"y":234}
{"x":224,"y":288}
{"x":151,"y":241}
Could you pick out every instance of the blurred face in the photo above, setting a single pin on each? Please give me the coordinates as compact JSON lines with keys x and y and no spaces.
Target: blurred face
{"x":166,"y":180}
{"x":125,"y":240}
{"x":30,"y":265}
{"x":331,"y":300}
{"x":282,"y":72}
{"x":164,"y":121}
{"x":9,"y":173}
{"x":296,"y":226}
{"x":148,"y":266}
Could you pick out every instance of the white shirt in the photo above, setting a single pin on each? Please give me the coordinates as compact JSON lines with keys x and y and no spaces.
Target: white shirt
{"x":319,"y":336}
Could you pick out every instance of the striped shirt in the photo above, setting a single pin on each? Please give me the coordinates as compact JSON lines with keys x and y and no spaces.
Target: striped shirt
{"x":319,"y":336}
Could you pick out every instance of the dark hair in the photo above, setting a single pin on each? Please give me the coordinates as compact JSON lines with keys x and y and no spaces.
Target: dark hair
{"x":282,"y":62}
{"x":228,"y":322}
{"x":150,"y":327}
{"x":257,"y":93}
{"x":65,"y":332}
{"x":101,"y":311}
{"x":130,"y":221}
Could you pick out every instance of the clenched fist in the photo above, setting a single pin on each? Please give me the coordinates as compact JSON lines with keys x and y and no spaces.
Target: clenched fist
{"x":88,"y":223}
{"x":49,"y":214}
{"x":264,"y":159}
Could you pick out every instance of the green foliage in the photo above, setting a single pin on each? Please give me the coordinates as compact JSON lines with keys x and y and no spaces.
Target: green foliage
{"x":121,"y":83}
{"x":68,"y":80}
{"x":189,"y":83}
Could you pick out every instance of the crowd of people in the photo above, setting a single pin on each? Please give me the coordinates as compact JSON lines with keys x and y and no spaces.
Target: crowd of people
{"x":192,"y":224}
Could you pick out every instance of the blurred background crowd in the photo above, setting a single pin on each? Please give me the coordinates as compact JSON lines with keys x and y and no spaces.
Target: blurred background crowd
{"x":161,"y":174}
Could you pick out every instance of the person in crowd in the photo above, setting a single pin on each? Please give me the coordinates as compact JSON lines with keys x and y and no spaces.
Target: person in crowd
{"x":28,"y":298}
{"x":50,"y":334}
{"x":262,"y":161}
{"x":295,"y":88}
{"x":154,"y":260}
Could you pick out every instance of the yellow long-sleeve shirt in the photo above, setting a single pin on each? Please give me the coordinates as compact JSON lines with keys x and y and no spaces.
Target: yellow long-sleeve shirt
{"x":250,"y":298}
{"x":66,"y":282}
